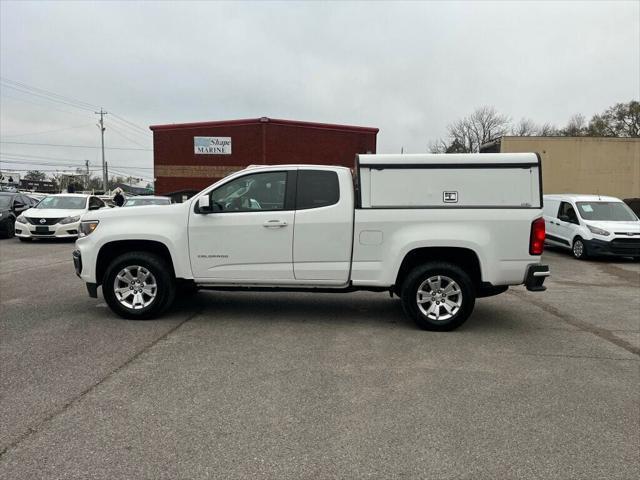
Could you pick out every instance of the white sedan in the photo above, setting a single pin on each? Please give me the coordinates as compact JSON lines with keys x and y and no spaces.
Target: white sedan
{"x":56,"y":216}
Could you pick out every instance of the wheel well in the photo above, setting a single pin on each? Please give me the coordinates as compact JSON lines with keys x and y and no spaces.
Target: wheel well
{"x":462,"y":257}
{"x":111,"y":250}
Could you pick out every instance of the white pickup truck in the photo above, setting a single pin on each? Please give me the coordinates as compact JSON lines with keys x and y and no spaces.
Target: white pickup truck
{"x":438,"y":231}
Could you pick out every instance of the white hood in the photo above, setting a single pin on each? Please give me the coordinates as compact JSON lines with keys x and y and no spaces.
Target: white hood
{"x":53,"y":212}
{"x":612,"y":227}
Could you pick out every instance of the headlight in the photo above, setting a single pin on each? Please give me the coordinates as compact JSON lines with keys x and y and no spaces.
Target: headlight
{"x":598,"y":231}
{"x":87,"y":228}
{"x":64,"y":221}
{"x":21,"y":219}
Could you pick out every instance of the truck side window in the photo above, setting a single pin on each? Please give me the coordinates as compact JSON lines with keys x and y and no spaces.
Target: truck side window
{"x":567,"y":213}
{"x":260,"y":191}
{"x":316,"y":188}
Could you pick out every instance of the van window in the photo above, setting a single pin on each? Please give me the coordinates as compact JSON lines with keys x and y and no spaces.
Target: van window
{"x":606,"y":211}
{"x":316,"y":188}
{"x":567,"y":211}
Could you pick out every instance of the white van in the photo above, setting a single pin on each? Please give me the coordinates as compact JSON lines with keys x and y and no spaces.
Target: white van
{"x":591,"y":225}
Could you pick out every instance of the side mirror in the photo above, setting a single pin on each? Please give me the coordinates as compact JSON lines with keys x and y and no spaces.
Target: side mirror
{"x":204,"y":204}
{"x":19,"y":206}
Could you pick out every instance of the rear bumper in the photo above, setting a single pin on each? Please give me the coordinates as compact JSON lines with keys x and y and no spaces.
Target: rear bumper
{"x":618,"y":247}
{"x":536,"y":275}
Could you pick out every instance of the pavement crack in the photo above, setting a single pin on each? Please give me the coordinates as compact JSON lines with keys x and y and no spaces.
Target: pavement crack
{"x":37,"y":427}
{"x":580,"y":324}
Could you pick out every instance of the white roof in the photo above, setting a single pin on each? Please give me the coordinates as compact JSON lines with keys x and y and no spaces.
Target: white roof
{"x":576,"y":197}
{"x":84,"y":195}
{"x":449,"y":158}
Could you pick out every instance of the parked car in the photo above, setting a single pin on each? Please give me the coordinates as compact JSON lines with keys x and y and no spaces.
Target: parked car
{"x":12,"y":204}
{"x":592,"y":225}
{"x":634,"y":204}
{"x":146,"y":200}
{"x":55,"y":216}
{"x":423,"y":227}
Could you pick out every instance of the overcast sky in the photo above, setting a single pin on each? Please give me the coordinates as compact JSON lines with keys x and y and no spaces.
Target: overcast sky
{"x":406,"y":68}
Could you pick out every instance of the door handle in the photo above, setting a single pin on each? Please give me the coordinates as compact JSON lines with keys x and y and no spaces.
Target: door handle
{"x":274,"y":224}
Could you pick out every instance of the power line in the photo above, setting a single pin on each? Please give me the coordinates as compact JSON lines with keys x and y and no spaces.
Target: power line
{"x":38,"y":104}
{"x":34,"y":162}
{"x":42,"y":92}
{"x":142,"y":129}
{"x":117,"y":130}
{"x":50,"y":99}
{"x":75,"y":146}
{"x":46,"y":131}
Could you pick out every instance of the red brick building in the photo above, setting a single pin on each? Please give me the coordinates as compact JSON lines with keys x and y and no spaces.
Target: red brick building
{"x":191,"y":156}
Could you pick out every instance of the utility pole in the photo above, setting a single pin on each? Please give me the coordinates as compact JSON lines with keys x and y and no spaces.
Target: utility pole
{"x":105,"y":177}
{"x":86,"y":176}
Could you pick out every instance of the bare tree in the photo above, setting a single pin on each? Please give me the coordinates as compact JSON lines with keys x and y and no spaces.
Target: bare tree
{"x":469,"y":133}
{"x":547,"y":130}
{"x":525,"y":128}
{"x":576,"y":127}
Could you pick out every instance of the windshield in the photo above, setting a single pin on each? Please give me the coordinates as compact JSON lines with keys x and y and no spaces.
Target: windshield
{"x":5,"y":201}
{"x":63,"y":203}
{"x":606,"y":211}
{"x":136,"y":202}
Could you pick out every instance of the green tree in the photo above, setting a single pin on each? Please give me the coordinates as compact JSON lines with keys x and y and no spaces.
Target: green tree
{"x":36,"y":175}
{"x":620,"y":120}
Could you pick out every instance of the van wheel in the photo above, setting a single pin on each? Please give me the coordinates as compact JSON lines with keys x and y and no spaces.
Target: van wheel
{"x":438,"y":296}
{"x":138,"y":285}
{"x":579,"y":249}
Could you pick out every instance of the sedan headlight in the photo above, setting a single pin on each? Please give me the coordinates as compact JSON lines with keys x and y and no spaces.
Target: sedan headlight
{"x":598,"y":231}
{"x":21,"y":219}
{"x":87,"y":228}
{"x":64,"y":221}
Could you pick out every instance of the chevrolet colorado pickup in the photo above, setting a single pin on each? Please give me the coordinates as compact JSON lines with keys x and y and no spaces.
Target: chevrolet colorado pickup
{"x":438,"y":231}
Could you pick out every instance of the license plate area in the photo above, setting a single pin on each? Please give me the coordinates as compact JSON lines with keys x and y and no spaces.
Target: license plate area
{"x":42,"y":229}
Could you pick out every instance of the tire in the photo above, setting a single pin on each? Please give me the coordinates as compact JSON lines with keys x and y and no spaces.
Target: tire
{"x":456,"y":307}
{"x":11,"y":229}
{"x":25,"y":239}
{"x":153,"y":290}
{"x":579,"y":249}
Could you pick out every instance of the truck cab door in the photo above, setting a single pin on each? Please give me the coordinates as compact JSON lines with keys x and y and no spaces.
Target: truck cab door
{"x":323,"y":234}
{"x":247,"y":235}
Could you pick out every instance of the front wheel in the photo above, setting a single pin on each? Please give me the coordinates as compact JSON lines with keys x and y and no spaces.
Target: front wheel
{"x":439,"y":296}
{"x":138,"y":285}
{"x":579,"y":249}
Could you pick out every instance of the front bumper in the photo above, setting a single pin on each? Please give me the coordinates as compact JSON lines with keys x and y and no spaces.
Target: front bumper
{"x":59,"y":230}
{"x":617,"y":247}
{"x":92,"y":288}
{"x":535,"y":277}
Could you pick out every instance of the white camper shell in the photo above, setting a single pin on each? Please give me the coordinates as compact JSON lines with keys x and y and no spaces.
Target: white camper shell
{"x":450,"y":181}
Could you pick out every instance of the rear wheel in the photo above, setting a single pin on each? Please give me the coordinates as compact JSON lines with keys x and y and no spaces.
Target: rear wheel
{"x":438,"y":296}
{"x":138,"y":285}
{"x":579,"y":249}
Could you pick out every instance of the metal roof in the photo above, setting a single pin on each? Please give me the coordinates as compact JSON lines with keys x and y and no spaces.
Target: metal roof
{"x":262,"y":120}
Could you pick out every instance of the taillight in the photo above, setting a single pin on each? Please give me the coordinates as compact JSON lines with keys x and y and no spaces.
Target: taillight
{"x":536,"y":241}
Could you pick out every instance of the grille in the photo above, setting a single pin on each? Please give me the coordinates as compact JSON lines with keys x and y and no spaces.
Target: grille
{"x":627,"y":233}
{"x":629,"y":246}
{"x":47,"y":221}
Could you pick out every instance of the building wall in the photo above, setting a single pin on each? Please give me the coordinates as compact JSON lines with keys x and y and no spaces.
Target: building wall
{"x":596,"y":165}
{"x":254,"y":142}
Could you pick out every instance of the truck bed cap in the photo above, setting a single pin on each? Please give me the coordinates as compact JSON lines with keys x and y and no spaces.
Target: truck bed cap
{"x":391,"y":160}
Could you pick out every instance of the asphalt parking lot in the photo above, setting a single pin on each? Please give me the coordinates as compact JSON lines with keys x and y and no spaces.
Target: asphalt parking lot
{"x":238,"y":385}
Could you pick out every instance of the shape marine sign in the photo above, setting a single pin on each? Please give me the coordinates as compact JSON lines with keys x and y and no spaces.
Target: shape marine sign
{"x":212,"y":145}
